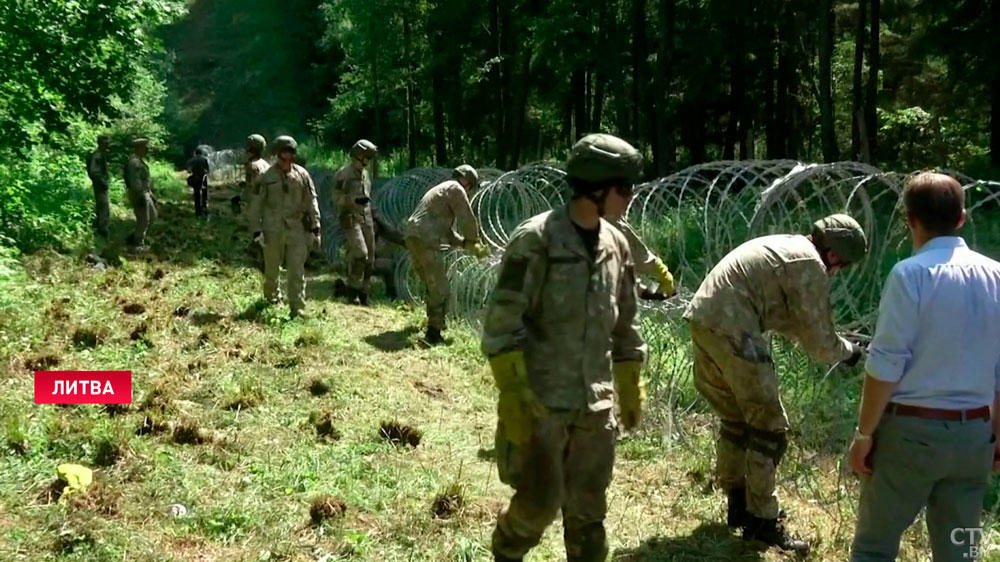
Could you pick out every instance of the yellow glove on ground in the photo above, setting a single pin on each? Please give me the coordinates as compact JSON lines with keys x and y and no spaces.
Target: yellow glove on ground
{"x":77,"y":478}
{"x":666,"y":279}
{"x":631,"y":392}
{"x":518,"y":404}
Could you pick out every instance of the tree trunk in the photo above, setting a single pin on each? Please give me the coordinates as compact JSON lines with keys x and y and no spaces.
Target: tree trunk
{"x":827,"y":127}
{"x":857,"y":102}
{"x":440,"y":142}
{"x":770,"y":109}
{"x":499,"y":77}
{"x":871,"y":101}
{"x":665,"y":157}
{"x":736,"y":92}
{"x":411,"y":125}
{"x":520,"y":111}
{"x":577,"y":88}
{"x":638,"y":63}
{"x":603,"y":63}
{"x":786,"y":81}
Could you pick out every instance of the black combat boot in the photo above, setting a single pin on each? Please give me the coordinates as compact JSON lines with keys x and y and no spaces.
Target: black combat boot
{"x":736,"y":515}
{"x":433,"y":336}
{"x":773,"y":533}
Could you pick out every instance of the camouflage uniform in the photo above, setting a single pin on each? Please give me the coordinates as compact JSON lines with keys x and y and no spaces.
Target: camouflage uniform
{"x":352,"y":191}
{"x":252,"y":169}
{"x":387,"y":256}
{"x":97,"y":170}
{"x":572,"y":315}
{"x":199,"y":169}
{"x":774,"y":284}
{"x":138,"y":185}
{"x":444,"y":207}
{"x":286,"y":210}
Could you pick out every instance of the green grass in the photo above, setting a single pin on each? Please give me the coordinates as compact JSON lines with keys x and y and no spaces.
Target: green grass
{"x":249,"y":486}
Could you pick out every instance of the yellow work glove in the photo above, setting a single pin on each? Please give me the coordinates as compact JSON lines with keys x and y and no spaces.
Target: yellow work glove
{"x":518,"y":406}
{"x":666,"y":279}
{"x":77,"y":479}
{"x":631,"y":392}
{"x":477,"y":249}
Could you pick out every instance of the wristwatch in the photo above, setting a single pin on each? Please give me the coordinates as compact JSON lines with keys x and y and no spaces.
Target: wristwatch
{"x":858,"y":436}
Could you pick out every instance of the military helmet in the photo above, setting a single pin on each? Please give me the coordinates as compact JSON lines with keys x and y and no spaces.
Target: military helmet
{"x":843,"y":235}
{"x":200,"y":152}
{"x":140,"y":141}
{"x":103,"y":139}
{"x":599,"y":158}
{"x":256,"y":142}
{"x":468,"y":172}
{"x":284,"y":142}
{"x":364,"y":148}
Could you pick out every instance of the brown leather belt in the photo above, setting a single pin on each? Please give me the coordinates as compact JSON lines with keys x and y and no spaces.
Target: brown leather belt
{"x":981,"y":413}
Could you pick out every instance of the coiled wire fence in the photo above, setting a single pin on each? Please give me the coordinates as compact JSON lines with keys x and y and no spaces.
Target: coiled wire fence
{"x":691,"y":219}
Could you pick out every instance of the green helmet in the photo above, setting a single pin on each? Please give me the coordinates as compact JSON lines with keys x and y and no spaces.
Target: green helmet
{"x":468,"y":172}
{"x":256,"y":142}
{"x":364,"y":148}
{"x":843,"y":235}
{"x":284,"y":142}
{"x":600,"y":158}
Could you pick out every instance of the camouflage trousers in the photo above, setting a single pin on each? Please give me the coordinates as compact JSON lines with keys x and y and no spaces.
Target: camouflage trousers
{"x":359,"y":241}
{"x":429,"y":266}
{"x":102,"y":208}
{"x":737,"y":378}
{"x":566,"y":465}
{"x":145,"y":213}
{"x":288,"y":247}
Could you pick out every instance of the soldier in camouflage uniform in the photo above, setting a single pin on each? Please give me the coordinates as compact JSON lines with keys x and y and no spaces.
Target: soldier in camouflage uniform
{"x":442,"y":209}
{"x":97,"y":170}
{"x":352,"y":192}
{"x":284,"y":216}
{"x":139,"y":188}
{"x":562,"y":338}
{"x":779,"y":284}
{"x":198,"y":168}
{"x":647,"y":263}
{"x":255,"y":165}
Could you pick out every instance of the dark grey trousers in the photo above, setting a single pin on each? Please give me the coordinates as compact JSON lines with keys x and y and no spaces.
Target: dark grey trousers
{"x":941,"y":465}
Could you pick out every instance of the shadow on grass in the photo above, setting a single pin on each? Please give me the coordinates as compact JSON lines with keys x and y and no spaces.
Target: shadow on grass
{"x":393,"y":340}
{"x":255,"y":312}
{"x":710,"y":542}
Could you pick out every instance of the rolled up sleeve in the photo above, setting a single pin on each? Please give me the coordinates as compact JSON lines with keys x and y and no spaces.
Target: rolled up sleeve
{"x":895,"y":330}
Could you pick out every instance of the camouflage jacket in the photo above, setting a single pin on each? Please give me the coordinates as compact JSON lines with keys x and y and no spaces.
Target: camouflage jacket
{"x":571,"y":315}
{"x":137,"y":180}
{"x":284,"y":201}
{"x":645,"y":260}
{"x":442,"y":209}
{"x":97,"y":168}
{"x":771,"y":284}
{"x":349,"y":185}
{"x":253,"y":169}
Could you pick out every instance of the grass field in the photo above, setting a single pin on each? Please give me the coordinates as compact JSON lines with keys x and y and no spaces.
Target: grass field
{"x":272,"y":433}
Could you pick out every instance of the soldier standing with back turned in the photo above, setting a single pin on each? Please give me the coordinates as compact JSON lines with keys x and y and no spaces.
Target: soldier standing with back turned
{"x":563,"y":341}
{"x":780,"y":284}
{"x":139,"y":187}
{"x":352,"y":195}
{"x":97,"y":170}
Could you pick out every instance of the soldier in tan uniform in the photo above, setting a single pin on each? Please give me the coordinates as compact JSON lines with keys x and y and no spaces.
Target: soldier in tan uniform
{"x":284,"y":215}
{"x":647,"y":263}
{"x":97,"y":170}
{"x":255,"y":165}
{"x":779,"y":284}
{"x":442,"y":210}
{"x":139,"y":188}
{"x":562,"y":338}
{"x":352,"y":194}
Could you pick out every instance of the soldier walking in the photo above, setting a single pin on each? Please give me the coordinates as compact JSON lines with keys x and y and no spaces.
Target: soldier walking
{"x":97,"y":170}
{"x":284,"y":217}
{"x":352,"y":192}
{"x":139,"y":187}
{"x":442,"y":209}
{"x":198,"y":170}
{"x":781,"y":284}
{"x":562,"y":338}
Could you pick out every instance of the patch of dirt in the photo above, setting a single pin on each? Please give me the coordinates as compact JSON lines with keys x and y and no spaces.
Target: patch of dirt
{"x":152,"y":426}
{"x":326,"y":507}
{"x":108,"y":452}
{"x":400,"y":434}
{"x":188,"y":433}
{"x":306,"y":340}
{"x":204,"y":339}
{"x":133,"y":308}
{"x":700,"y":480}
{"x":289,"y":362}
{"x":244,"y":402}
{"x":319,"y":387}
{"x":139,"y":334}
{"x":158,"y":398}
{"x":101,"y":497}
{"x":432,"y":390}
{"x":85,"y":339}
{"x":20,"y":447}
{"x":158,"y":274}
{"x":448,"y":503}
{"x":323,"y":423}
{"x":52,"y":492}
{"x":42,"y":363}
{"x":181,"y":311}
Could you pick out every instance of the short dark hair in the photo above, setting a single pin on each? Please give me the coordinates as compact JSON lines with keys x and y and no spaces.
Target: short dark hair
{"x":936,"y":201}
{"x":582,"y":187}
